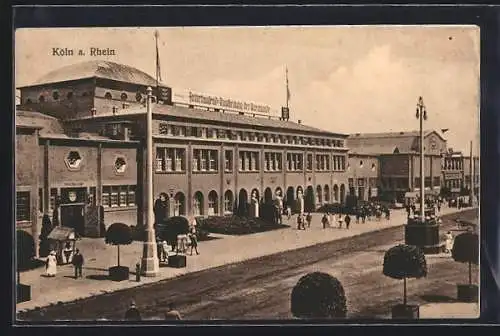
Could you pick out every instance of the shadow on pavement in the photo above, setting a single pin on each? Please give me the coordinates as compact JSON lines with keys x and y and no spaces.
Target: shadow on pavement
{"x":98,"y":277}
{"x":31,"y":265}
{"x":435,"y":298}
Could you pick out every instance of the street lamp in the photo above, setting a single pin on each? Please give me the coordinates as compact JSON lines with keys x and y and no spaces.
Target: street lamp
{"x":422,"y":115}
{"x":422,"y":231}
{"x":150,"y":264}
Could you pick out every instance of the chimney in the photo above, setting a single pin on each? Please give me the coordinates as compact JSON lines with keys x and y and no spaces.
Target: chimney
{"x":114,"y":110}
{"x":93,"y":112}
{"x":299,"y":121}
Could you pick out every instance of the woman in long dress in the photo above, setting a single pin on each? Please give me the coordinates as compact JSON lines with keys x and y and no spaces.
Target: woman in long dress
{"x":51,"y":268}
{"x":448,"y":242}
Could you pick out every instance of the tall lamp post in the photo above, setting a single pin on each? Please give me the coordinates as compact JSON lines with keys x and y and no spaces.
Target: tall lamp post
{"x":423,"y":231}
{"x":150,"y":264}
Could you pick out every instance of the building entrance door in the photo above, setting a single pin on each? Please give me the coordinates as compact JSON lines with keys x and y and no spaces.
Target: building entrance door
{"x":72,"y":216}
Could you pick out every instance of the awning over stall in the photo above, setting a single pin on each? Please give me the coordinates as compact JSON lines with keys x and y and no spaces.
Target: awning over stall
{"x":61,"y":233}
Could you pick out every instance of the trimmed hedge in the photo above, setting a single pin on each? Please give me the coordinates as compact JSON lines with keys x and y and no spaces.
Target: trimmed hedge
{"x":318,"y":295}
{"x":404,"y":261}
{"x":234,"y":225}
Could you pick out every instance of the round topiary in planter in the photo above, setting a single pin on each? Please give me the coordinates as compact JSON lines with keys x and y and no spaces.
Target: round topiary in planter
{"x":402,"y":262}
{"x":466,"y":250}
{"x":118,"y":234}
{"x":318,"y":295}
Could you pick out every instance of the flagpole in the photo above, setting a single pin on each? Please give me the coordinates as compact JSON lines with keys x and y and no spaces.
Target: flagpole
{"x":287,"y":88}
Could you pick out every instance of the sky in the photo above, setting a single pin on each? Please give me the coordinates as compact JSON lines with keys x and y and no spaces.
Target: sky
{"x":347,"y":79}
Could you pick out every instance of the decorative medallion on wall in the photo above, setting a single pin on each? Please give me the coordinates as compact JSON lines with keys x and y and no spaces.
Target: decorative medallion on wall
{"x":73,"y":160}
{"x":120,"y":165}
{"x":72,"y":196}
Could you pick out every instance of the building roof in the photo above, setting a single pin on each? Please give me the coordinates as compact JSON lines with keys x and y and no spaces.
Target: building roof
{"x":386,"y":143}
{"x":38,"y":120}
{"x":99,"y":69}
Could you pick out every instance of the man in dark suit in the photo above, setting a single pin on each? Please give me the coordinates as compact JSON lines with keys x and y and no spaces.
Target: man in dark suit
{"x":132,"y":314}
{"x":78,"y":263}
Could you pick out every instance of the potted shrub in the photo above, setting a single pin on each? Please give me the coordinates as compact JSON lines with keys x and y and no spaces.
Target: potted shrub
{"x":402,"y":262}
{"x":318,"y":295}
{"x":118,"y":234}
{"x":466,"y":250}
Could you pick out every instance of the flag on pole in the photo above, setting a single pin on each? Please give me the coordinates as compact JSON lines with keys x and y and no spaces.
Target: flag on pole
{"x":158,"y":71}
{"x":288,"y":95}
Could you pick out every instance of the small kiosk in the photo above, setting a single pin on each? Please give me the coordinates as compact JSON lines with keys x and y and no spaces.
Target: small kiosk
{"x":63,"y":240}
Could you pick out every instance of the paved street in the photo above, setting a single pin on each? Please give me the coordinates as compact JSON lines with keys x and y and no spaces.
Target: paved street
{"x":260,"y":288}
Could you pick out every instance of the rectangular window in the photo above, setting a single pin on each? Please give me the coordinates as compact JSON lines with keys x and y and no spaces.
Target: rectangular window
{"x":53,"y":197}
{"x":204,"y":160}
{"x":241,"y":159}
{"x":169,"y":160}
{"x":361,"y":182}
{"x":350,"y":181}
{"x":427,"y":182}
{"x":114,"y":196}
{"x":123,"y":196}
{"x":106,"y":194}
{"x":23,"y":206}
{"x":273,"y":161}
{"x":437,"y":181}
{"x":228,"y":160}
{"x":249,"y":160}
{"x":212,"y":154}
{"x":196,"y":159}
{"x":131,"y":201}
{"x":92,"y":196}
{"x":180,"y":157}
{"x":279,"y":161}
{"x":40,"y":200}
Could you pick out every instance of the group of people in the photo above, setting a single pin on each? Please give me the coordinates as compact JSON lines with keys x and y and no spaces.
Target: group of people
{"x":133,"y":313}
{"x":77,"y":261}
{"x":183,"y":243}
{"x":326,"y":220}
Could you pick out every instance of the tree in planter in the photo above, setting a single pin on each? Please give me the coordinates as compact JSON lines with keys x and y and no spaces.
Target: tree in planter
{"x":318,"y":295}
{"x":402,"y":262}
{"x":118,"y":234}
{"x":466,"y":250}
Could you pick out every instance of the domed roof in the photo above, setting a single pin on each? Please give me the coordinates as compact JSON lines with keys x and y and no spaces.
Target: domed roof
{"x":100,"y":69}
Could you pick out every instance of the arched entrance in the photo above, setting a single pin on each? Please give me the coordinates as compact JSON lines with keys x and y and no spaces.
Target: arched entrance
{"x":300,"y":191}
{"x":336,"y":193}
{"x":243,"y":203}
{"x":198,"y":204}
{"x":279,"y":192}
{"x":268,"y":196}
{"x":319,"y":194}
{"x":342,"y":193}
{"x":290,"y":198}
{"x":326,"y":193}
{"x":228,"y":202}
{"x":309,"y":204}
{"x":213,"y":203}
{"x":179,"y":204}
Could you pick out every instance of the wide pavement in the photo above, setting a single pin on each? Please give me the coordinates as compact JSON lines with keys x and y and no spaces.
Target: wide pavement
{"x":214,"y":253}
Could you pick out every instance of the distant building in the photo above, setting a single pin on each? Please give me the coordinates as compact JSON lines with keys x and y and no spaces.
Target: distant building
{"x":399,"y":160}
{"x":457,"y":173}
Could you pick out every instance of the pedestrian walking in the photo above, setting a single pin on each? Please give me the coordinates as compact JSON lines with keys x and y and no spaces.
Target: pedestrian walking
{"x":51,"y":265}
{"x":347,"y":221}
{"x":340,"y":221}
{"x":324,"y":221}
{"x":67,"y":252}
{"x":164,"y":247}
{"x":78,"y":264}
{"x":308,"y":219}
{"x":132,"y":314}
{"x":289,"y":212}
{"x":448,"y":242}
{"x":194,"y":241}
{"x":172,"y":313}
{"x":300,"y":222}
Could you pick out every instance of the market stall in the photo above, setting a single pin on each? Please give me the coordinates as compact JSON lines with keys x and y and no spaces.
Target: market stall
{"x":62,"y":240}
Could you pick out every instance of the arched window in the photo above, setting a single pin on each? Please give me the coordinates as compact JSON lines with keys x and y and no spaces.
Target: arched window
{"x":123,"y":96}
{"x":228,"y":202}
{"x":108,"y":95}
{"x":69,"y":95}
{"x":179,"y":204}
{"x":373,"y":166}
{"x":361,"y":164}
{"x":41,"y":99}
{"x":55,"y":95}
{"x":198,"y":204}
{"x":213,"y":204}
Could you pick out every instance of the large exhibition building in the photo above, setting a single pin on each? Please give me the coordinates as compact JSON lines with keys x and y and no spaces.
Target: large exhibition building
{"x":80,"y":147}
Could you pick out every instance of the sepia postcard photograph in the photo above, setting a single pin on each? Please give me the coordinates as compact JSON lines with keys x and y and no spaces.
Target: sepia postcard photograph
{"x":247,"y":173}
